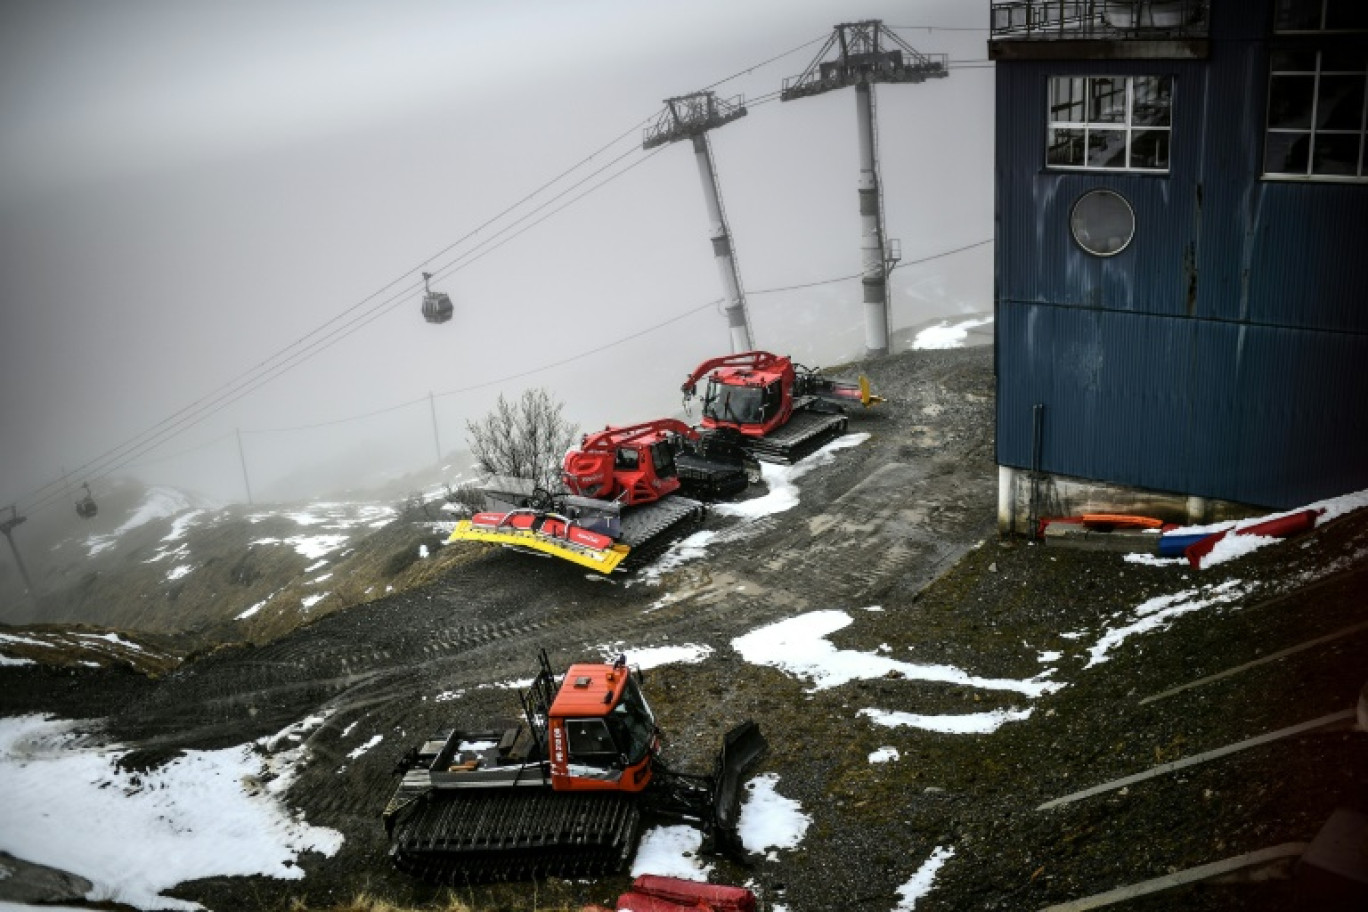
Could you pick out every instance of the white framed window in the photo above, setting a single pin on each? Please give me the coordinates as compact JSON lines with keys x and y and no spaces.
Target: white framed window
{"x":1317,"y":114}
{"x":1293,"y":16}
{"x":1110,"y":123}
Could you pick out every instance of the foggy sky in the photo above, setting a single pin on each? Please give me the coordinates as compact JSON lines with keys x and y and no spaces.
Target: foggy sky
{"x":185,"y":189}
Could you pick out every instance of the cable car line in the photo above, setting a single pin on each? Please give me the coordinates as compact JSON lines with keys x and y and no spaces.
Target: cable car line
{"x":754,"y":67}
{"x":46,"y":493}
{"x":601,"y":348}
{"x":292,"y":354}
{"x":247,"y":384}
{"x":470,"y":256}
{"x":336,"y":421}
{"x":399,"y":298}
{"x":179,"y":453}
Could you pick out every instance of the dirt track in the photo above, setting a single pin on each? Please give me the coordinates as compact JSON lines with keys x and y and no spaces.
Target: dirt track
{"x":873,"y":528}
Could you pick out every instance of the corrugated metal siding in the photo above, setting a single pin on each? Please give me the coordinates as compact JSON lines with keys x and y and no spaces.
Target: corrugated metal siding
{"x":1310,"y":260}
{"x":1042,"y":262}
{"x":1246,"y":413}
{"x":1225,"y":352}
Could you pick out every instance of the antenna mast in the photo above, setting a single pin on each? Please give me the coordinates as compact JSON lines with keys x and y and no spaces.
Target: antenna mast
{"x":865,"y":53}
{"x":693,"y":116}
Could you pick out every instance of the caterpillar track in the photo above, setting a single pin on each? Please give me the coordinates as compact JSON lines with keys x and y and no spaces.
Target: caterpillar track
{"x":804,"y":434}
{"x":480,"y":835}
{"x":707,"y":480}
{"x":716,"y":467}
{"x":650,"y":529}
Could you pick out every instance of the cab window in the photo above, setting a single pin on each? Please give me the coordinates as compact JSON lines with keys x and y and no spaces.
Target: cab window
{"x":773,"y":401}
{"x":663,"y":457}
{"x":590,"y":742}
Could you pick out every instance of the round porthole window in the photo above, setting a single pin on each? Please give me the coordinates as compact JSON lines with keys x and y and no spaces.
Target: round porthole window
{"x":1102,"y":222}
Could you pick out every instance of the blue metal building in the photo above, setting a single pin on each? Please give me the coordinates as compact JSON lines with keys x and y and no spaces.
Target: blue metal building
{"x":1182,"y":247}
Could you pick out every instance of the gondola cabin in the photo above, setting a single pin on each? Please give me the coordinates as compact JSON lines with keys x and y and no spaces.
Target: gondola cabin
{"x":86,"y":508}
{"x":437,"y":307}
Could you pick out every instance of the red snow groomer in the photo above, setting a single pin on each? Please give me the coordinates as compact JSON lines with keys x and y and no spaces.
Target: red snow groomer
{"x":625,"y":488}
{"x":777,"y":411}
{"x":565,"y":792}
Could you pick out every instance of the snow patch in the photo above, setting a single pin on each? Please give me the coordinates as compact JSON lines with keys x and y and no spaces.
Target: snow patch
{"x":204,"y":814}
{"x":768,"y":819}
{"x":161,"y":503}
{"x":23,"y":640}
{"x":1152,"y":560}
{"x":361,"y":749}
{"x":98,"y":543}
{"x":334,"y":515}
{"x":782,"y":482}
{"x":181,"y":550}
{"x":782,"y":495}
{"x":671,"y":851}
{"x":255,"y":608}
{"x":179,"y":571}
{"x":922,"y":881}
{"x":965,"y":724}
{"x":655,"y":656}
{"x":687,"y":549}
{"x":317,"y":545}
{"x":799,"y":646}
{"x":112,"y":638}
{"x":668,"y":598}
{"x":947,"y":335}
{"x":1156,"y":613}
{"x":181,"y":525}
{"x":884,"y":755}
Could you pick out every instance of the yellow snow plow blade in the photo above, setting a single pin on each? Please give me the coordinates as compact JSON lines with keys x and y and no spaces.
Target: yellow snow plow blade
{"x":602,"y":561}
{"x":866,"y":397}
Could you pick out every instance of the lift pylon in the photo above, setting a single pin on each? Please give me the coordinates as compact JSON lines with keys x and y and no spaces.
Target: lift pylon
{"x":865,"y":53}
{"x":7,"y":530}
{"x":691,"y":117}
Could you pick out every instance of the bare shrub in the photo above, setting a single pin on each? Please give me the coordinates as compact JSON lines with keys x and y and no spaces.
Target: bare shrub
{"x":523,"y":439}
{"x":469,"y":498}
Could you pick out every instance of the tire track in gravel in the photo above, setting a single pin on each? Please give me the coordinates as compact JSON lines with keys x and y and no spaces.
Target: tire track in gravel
{"x":296,"y":676}
{"x":877,"y":515}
